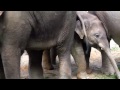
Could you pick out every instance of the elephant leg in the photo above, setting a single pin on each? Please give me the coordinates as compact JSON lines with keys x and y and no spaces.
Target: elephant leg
{"x":35,"y":64}
{"x":63,"y":53}
{"x":87,"y":50}
{"x":79,"y":57}
{"x":46,"y":60}
{"x":65,"y":66}
{"x":53,"y":55}
{"x":107,"y":67}
{"x":2,"y":74}
{"x":11,"y":61}
{"x":87,"y":57}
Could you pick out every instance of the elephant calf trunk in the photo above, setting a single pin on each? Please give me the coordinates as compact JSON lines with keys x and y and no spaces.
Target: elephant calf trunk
{"x":108,"y":53}
{"x":113,"y":63}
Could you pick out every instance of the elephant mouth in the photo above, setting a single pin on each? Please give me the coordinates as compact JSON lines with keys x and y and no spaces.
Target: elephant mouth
{"x":95,"y":45}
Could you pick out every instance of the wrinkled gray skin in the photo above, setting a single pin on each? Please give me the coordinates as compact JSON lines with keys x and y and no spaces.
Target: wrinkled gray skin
{"x":106,"y":65}
{"x":96,"y":36}
{"x":49,"y":57}
{"x":35,"y":31}
{"x":110,"y":21}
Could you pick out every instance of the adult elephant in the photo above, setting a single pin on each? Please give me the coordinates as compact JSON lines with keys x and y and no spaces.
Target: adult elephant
{"x":35,"y":31}
{"x":95,"y":35}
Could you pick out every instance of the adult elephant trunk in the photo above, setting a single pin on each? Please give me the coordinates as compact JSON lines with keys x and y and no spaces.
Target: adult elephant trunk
{"x":108,"y":53}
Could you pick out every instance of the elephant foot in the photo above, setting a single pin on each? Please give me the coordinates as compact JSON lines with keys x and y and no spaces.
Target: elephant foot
{"x":35,"y":77}
{"x":82,"y":75}
{"x":108,"y":71}
{"x":89,"y":70}
{"x":64,"y":77}
{"x":74,"y":77}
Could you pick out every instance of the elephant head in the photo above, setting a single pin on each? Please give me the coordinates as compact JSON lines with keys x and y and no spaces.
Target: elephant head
{"x":94,"y":30}
{"x":96,"y":34}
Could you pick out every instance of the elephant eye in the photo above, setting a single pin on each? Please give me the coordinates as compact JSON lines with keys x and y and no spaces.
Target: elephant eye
{"x":97,"y":35}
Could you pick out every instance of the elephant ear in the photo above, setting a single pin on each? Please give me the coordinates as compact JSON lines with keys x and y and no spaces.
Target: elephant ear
{"x":79,"y":30}
{"x":1,"y":12}
{"x":87,"y":24}
{"x":82,"y":23}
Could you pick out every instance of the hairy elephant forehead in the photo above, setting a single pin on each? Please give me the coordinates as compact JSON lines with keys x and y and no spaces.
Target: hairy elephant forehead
{"x":97,"y":27}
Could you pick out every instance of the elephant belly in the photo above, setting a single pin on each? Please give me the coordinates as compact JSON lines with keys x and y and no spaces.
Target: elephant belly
{"x":39,"y":45}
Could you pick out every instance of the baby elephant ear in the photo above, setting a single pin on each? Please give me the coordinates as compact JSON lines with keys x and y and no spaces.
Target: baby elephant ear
{"x":79,"y":29}
{"x":1,"y":12}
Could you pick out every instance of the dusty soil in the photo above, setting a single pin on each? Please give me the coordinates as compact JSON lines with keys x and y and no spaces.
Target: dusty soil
{"x":95,"y":64}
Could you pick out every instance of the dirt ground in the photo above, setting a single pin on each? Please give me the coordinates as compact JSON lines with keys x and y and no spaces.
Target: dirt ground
{"x":95,"y":64}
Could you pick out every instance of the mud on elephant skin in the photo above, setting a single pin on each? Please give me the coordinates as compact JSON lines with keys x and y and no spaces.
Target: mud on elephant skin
{"x":96,"y":34}
{"x":31,"y":31}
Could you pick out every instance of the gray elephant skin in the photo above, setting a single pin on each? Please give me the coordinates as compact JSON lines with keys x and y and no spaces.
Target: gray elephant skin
{"x":110,"y":20}
{"x":96,"y":36}
{"x":35,"y":31}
